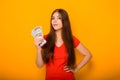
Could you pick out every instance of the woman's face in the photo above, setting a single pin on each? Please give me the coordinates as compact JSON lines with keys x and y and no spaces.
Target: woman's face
{"x":56,"y":21}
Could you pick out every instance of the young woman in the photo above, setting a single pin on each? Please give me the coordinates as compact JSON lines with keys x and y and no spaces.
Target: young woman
{"x":58,"y":53}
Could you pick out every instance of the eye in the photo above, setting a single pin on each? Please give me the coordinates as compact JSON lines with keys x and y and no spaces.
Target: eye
{"x":59,"y":18}
{"x":52,"y":18}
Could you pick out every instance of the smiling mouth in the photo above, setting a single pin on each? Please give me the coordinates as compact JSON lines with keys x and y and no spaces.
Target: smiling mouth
{"x":55,"y":24}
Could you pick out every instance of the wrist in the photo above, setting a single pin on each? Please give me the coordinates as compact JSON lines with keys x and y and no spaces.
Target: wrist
{"x":38,"y":48}
{"x":75,"y":70}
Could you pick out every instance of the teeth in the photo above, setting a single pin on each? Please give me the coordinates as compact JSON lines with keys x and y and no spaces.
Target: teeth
{"x":55,"y":24}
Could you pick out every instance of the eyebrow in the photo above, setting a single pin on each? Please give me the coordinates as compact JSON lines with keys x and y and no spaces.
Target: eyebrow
{"x":58,"y":16}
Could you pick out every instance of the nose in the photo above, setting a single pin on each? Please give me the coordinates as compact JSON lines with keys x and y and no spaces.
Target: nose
{"x":55,"y":20}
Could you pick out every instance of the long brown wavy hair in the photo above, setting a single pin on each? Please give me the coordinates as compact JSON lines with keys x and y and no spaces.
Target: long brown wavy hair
{"x":48,"y":50}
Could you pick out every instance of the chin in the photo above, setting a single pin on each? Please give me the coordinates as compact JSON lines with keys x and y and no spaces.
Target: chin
{"x":56,"y":29}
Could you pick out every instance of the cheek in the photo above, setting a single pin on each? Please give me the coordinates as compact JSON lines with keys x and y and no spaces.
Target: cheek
{"x":51,"y":22}
{"x":60,"y":22}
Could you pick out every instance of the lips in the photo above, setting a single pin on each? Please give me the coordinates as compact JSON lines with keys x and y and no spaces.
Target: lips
{"x":55,"y":24}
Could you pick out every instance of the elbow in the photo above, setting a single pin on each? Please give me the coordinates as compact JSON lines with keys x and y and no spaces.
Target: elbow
{"x":90,"y":55}
{"x":39,"y":65}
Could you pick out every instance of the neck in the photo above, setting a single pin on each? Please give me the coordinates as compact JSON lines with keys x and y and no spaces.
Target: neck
{"x":58,"y":33}
{"x":59,"y":40}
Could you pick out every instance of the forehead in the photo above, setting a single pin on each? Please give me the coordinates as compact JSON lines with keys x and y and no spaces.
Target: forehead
{"x":56,"y":14}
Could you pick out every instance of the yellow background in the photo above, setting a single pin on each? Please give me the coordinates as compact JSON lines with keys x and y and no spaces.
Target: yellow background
{"x":96,"y":23}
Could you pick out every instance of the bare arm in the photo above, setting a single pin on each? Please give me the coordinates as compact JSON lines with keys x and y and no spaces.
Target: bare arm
{"x":87,"y":56}
{"x":39,"y":60}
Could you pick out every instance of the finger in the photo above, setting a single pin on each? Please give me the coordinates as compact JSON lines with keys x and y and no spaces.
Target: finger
{"x":69,"y":70}
{"x":38,"y":39}
{"x":36,"y":35}
{"x":66,"y":68}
